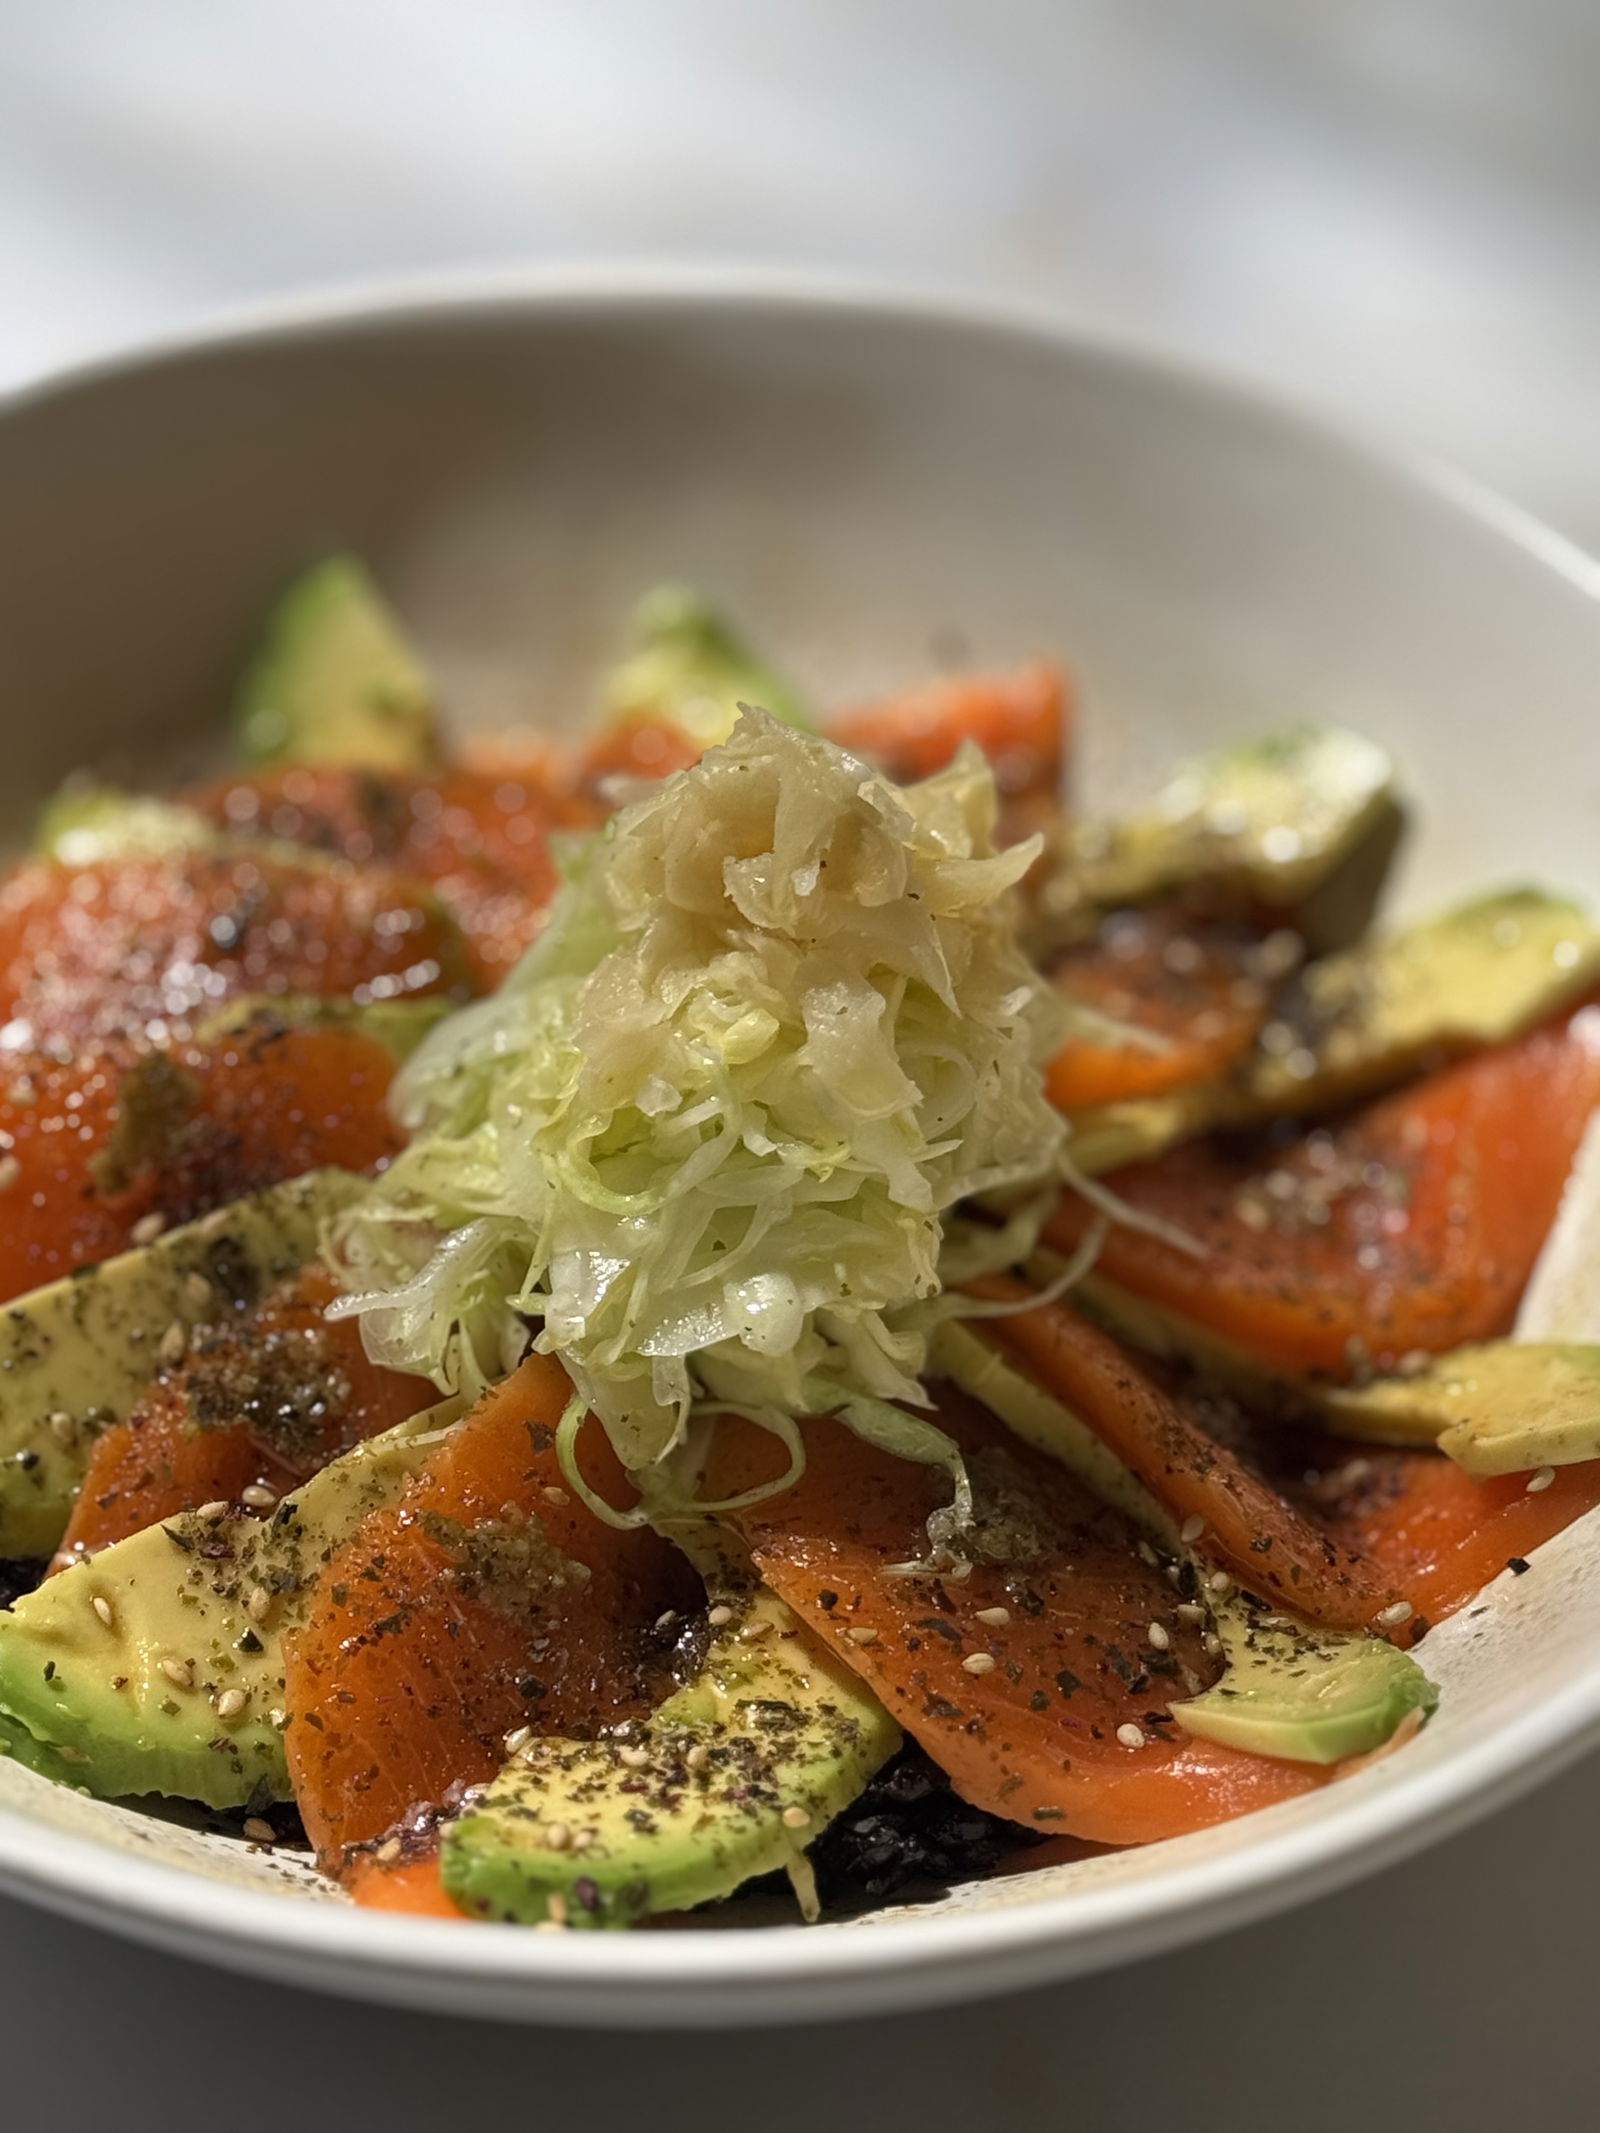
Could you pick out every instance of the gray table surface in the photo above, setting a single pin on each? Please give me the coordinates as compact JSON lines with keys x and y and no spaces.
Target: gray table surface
{"x":1387,"y":206}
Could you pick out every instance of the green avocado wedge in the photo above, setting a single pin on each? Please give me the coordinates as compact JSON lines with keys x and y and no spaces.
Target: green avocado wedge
{"x":1355,"y":1022}
{"x":1504,"y":1407}
{"x":335,"y":682}
{"x":732,"y":1777}
{"x":1302,"y":823}
{"x":1289,"y":1688}
{"x":688,"y":668}
{"x":78,"y":1353}
{"x":156,"y":1666}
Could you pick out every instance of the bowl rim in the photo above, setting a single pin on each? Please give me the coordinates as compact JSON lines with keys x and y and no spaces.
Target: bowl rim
{"x":742,"y":1974}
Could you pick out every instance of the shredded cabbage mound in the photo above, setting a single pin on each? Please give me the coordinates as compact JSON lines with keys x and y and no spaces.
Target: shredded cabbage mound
{"x":710,"y":1129}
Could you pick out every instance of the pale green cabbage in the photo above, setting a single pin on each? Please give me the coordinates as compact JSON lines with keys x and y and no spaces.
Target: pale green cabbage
{"x":708,"y":1133}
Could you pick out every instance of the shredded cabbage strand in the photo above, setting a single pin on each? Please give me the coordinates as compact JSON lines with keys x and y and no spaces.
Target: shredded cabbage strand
{"x":707,"y":1134}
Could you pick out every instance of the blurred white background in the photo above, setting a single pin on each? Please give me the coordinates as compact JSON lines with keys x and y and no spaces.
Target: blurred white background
{"x":1387,"y":205}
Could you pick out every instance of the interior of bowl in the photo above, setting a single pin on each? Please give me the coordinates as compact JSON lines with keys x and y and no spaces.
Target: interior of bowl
{"x":874,"y":490}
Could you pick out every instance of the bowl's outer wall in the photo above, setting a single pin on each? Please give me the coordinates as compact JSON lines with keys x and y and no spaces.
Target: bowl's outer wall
{"x":871,"y":490}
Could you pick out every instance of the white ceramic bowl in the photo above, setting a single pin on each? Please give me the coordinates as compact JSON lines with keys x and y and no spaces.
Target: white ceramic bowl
{"x":860,"y":479}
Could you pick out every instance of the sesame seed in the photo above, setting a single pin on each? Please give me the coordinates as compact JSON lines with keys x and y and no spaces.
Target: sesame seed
{"x":1541,"y":1479}
{"x":210,"y":1512}
{"x":1191,"y":1530}
{"x":148,"y":1227}
{"x":1392,"y":1617}
{"x":1213,"y":1644}
{"x":753,"y":1632}
{"x":10,"y":1171}
{"x":797,"y":1817}
{"x":666,"y":1621}
{"x":277,"y":1719}
{"x":231,"y":1702}
{"x":555,"y":1905}
{"x":1159,"y":1637}
{"x":863,"y":1635}
{"x":1189,"y":1611}
{"x":633,"y":1758}
{"x":197,"y":1291}
{"x":554,"y":1495}
{"x":719,"y":1617}
{"x":258,"y":1497}
{"x":102,"y":1607}
{"x":180,"y":1672}
{"x":977,"y":1663}
{"x":174,"y":1343}
{"x":518,"y":1737}
{"x":697,"y":1757}
{"x":63,"y":1428}
{"x":557,"y":1837}
{"x":994,"y":1617}
{"x":582,"y":1839}
{"x":258,"y":1603}
{"x":1146,"y":1553}
{"x":1131,"y":1736}
{"x":389,"y":1851}
{"x":259,"y":1832}
{"x":1220,"y":1583}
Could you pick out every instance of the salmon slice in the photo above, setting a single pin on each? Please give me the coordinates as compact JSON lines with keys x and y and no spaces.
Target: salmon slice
{"x":1413,"y":1224}
{"x":1034,"y":1682}
{"x":102,"y":1143}
{"x":489,"y":1598}
{"x":264,"y":1402}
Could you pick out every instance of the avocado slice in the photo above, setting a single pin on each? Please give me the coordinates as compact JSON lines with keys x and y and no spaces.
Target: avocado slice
{"x":1353,"y":1022}
{"x":335,"y":681}
{"x":1304,"y":1694}
{"x":730,"y":1778}
{"x":398,"y":1025}
{"x":1289,"y":1688}
{"x":123,"y":1673}
{"x":1303,"y":822}
{"x":1477,"y":975}
{"x":1501,"y":1407}
{"x":78,"y":1353}
{"x":85,"y":824}
{"x":689,"y":669}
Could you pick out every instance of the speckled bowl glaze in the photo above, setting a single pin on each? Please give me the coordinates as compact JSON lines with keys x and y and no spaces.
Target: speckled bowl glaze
{"x":863,"y":478}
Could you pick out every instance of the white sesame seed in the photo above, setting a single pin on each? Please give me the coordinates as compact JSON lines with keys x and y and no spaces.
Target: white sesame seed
{"x":231,"y":1702}
{"x":388,"y":1851}
{"x":259,"y":1832}
{"x":797,"y":1817}
{"x":1187,"y":1611}
{"x":978,"y":1663}
{"x":753,"y":1632}
{"x":697,"y":1757}
{"x":1540,"y":1479}
{"x":10,"y":1171}
{"x":1213,"y":1644}
{"x":180,"y":1672}
{"x":1159,"y":1638}
{"x":554,"y":1495}
{"x":174,"y":1344}
{"x":1191,"y":1529}
{"x":1146,"y":1553}
{"x":518,"y":1737}
{"x":633,"y":1758}
{"x":197,"y":1291}
{"x":212,"y":1511}
{"x":582,"y":1839}
{"x":666,"y":1621}
{"x":258,"y":1497}
{"x":557,"y":1837}
{"x":278,"y":1719}
{"x":555,"y":1905}
{"x":102,"y":1607}
{"x":1220,"y":1583}
{"x":863,"y":1635}
{"x":1392,"y":1617}
{"x":148,"y":1227}
{"x":1175,"y":1576}
{"x":258,"y":1603}
{"x":64,"y":1429}
{"x":994,"y":1617}
{"x":1131,"y":1736}
{"x":719,"y":1617}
